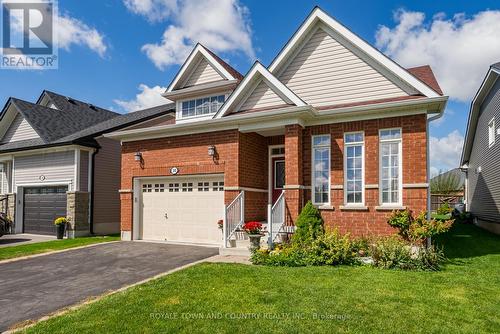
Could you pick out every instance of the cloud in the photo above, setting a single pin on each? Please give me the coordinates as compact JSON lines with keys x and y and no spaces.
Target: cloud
{"x":68,"y":31}
{"x":147,"y":98}
{"x":220,"y":25}
{"x":445,"y":151}
{"x":459,"y":49}
{"x":73,"y":31}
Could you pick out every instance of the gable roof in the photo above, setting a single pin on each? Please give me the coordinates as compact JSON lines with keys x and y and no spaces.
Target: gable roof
{"x":79,"y":124}
{"x":318,"y":15}
{"x":224,"y":69}
{"x":257,"y":73}
{"x":489,"y":81}
{"x":425,"y":74}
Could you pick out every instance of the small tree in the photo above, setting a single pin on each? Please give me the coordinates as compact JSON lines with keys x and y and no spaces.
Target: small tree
{"x":309,"y":224}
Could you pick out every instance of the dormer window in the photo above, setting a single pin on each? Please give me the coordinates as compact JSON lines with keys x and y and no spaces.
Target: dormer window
{"x":202,"y":106}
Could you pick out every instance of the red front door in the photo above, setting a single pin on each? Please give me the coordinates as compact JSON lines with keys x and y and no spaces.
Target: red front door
{"x":278,"y":177}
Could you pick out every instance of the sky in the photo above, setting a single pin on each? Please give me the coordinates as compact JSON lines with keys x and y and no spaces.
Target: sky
{"x":121,"y":54}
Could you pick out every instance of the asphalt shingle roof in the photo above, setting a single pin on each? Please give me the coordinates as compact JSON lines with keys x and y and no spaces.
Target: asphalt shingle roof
{"x":74,"y":121}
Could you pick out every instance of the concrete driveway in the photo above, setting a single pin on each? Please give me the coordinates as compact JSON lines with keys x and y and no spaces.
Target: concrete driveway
{"x":32,"y":288}
{"x":23,"y":239}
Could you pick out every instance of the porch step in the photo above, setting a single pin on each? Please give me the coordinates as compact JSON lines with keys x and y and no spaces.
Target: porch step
{"x":235,"y":251}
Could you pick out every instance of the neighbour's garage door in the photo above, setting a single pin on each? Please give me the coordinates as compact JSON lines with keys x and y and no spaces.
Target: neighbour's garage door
{"x":182,"y":209}
{"x":42,"y":205}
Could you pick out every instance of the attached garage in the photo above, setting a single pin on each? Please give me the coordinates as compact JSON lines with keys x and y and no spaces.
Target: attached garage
{"x":182,"y":209}
{"x":42,"y":205}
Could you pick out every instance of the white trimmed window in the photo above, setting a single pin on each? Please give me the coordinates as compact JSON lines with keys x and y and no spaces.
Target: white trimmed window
{"x":354,"y":168}
{"x":390,"y":167}
{"x":491,"y":132}
{"x":202,"y":106}
{"x":321,"y":169}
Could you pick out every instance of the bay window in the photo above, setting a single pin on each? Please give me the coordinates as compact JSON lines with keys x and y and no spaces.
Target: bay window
{"x":354,"y":166}
{"x":390,"y":167}
{"x":321,"y":169}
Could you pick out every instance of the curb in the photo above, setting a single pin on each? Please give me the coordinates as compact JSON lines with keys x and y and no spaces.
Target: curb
{"x":92,"y":300}
{"x":14,"y":259}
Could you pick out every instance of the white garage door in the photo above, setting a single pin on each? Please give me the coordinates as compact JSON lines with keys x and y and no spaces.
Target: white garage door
{"x":182,"y":209}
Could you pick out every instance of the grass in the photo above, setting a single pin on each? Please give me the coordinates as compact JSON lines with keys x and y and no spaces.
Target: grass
{"x":49,"y":246}
{"x":462,"y":298}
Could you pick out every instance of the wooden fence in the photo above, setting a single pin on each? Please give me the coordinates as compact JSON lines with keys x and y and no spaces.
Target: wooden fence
{"x":439,"y":199}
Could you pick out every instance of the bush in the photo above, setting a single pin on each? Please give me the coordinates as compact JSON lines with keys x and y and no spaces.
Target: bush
{"x":418,"y":228}
{"x":309,"y":224}
{"x":444,"y":209}
{"x":61,"y":220}
{"x":395,"y":253}
{"x":463,"y":217}
{"x":330,"y":248}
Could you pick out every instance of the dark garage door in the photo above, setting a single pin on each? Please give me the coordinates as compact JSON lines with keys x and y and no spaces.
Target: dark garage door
{"x":41,"y":206}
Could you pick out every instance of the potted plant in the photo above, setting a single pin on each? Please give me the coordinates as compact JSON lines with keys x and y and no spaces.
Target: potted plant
{"x":60,"y":226}
{"x":254,"y":231}
{"x":220,"y":224}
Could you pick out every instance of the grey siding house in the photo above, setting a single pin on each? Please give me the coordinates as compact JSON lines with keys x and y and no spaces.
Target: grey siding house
{"x":55,"y":161}
{"x":481,"y":153}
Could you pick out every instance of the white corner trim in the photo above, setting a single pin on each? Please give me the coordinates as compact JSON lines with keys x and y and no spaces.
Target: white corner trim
{"x":415,"y":185}
{"x":77,"y":170}
{"x":318,"y":15}
{"x":199,"y":49}
{"x":247,"y":83}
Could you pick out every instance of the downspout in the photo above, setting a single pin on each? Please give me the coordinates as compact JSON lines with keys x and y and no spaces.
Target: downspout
{"x":429,"y":120}
{"x":91,"y":190}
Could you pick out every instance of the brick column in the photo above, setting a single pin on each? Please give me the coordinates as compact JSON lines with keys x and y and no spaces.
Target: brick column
{"x":78,"y":213}
{"x":294,"y":192}
{"x":126,"y":203}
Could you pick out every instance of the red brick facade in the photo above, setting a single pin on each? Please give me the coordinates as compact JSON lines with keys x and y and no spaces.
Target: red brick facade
{"x":243,"y":159}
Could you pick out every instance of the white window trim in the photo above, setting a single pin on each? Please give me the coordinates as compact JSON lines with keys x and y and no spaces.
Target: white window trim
{"x":362,"y":143}
{"x":178,"y":112}
{"x":326,"y":204}
{"x":491,"y":125}
{"x":400,"y":162}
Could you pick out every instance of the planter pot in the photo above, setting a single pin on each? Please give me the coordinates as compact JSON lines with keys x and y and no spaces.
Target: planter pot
{"x":254,"y":241}
{"x":60,"y":230}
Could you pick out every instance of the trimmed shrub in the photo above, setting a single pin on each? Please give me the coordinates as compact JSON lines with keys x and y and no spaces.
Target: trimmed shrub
{"x":310,"y":224}
{"x":418,"y":228}
{"x":444,"y":209}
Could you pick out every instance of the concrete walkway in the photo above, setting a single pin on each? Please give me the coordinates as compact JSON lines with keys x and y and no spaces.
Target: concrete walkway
{"x":23,"y":239}
{"x":32,"y":288}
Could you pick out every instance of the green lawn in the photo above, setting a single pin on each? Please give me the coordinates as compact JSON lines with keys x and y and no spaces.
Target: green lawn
{"x":49,"y":246}
{"x":463,"y":298}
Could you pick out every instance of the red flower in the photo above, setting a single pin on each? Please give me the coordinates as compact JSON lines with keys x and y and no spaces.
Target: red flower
{"x":220,"y":224}
{"x":253,"y":227}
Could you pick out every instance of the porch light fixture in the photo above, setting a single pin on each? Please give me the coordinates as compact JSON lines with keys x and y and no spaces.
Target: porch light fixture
{"x":211,"y":151}
{"x":138,"y":156}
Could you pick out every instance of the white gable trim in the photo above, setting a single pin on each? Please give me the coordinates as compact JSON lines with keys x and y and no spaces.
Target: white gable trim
{"x":319,"y":15}
{"x":247,"y":86}
{"x":199,"y":50}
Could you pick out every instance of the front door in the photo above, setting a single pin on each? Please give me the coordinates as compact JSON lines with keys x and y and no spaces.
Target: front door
{"x":278,"y":179}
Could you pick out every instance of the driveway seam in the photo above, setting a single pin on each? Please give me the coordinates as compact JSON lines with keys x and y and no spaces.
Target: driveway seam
{"x":106,"y":294}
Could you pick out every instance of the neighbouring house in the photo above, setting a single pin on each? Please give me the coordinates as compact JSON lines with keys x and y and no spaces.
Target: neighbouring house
{"x":481,"y":153}
{"x":54,"y":161}
{"x":331,"y":120}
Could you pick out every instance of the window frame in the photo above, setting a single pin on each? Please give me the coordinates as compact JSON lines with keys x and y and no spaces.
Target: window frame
{"x":400,"y":163}
{"x":491,"y":132}
{"x":362,"y":143}
{"x":313,"y":185}
{"x":179,"y":114}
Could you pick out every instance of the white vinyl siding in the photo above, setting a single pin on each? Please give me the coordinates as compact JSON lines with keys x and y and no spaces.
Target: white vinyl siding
{"x":262,"y":97}
{"x":325,"y":72}
{"x":321,"y":169}
{"x":202,"y":73}
{"x":491,"y":132}
{"x":391,"y":173}
{"x":19,"y":130}
{"x":54,"y":167}
{"x":354,"y":168}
